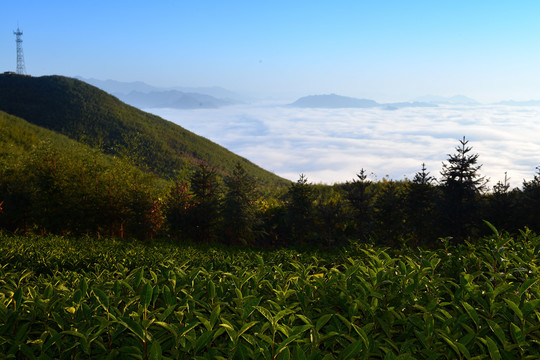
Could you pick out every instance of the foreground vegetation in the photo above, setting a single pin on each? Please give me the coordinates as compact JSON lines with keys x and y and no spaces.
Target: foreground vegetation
{"x":86,"y":298}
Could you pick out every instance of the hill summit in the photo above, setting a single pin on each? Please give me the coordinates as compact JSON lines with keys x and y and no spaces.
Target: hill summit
{"x":87,"y":114}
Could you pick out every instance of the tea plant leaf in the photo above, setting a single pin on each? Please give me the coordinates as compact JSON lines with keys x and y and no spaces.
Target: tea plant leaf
{"x":527,"y":285}
{"x":493,"y":349}
{"x":102,"y":298}
{"x":286,"y":342}
{"x":155,"y":351}
{"x":498,"y":331}
{"x":298,"y":353}
{"x":204,"y":340}
{"x":512,"y":305}
{"x":322,"y":321}
{"x":530,"y":306}
{"x":351,"y":350}
{"x":246,"y":327}
{"x":146,"y":295}
{"x":472,"y":313}
{"x":517,"y":334}
{"x":138,"y":277}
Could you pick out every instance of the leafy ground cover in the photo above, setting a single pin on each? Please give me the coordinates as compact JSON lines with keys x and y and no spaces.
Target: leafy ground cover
{"x":105,"y":298}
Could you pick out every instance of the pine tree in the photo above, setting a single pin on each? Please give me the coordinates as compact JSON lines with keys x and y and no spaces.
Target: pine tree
{"x":300,"y":209}
{"x":239,"y":207}
{"x":205,"y":213}
{"x":360,"y":197}
{"x":500,"y":205}
{"x":388,"y":212}
{"x":462,"y":185}
{"x":177,"y":207}
{"x":531,"y":202}
{"x":421,"y":204}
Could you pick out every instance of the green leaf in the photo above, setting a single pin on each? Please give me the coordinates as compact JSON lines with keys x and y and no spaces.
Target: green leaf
{"x":472,"y":313}
{"x":167,"y":296}
{"x":530,"y":306}
{"x":102,"y":298}
{"x":351,"y":350}
{"x":493,"y":349}
{"x":155,"y":351}
{"x":204,"y":340}
{"x":298,"y":353}
{"x":322,"y":321}
{"x":498,"y":331}
{"x":284,"y":355}
{"x":134,"y":327}
{"x":493,"y":228}
{"x":517,"y":334}
{"x":264,"y":312}
{"x":146,"y":295}
{"x":17,"y":297}
{"x":211,"y":289}
{"x":285,"y":342}
{"x":83,"y":286}
{"x":526,"y":286}
{"x":512,"y":305}
{"x":138,"y":277}
{"x":246,"y":327}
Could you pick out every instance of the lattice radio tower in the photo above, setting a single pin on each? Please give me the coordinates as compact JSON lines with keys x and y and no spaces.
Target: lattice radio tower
{"x":21,"y":69}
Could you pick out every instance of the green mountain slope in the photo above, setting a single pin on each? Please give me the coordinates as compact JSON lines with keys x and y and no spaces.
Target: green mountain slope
{"x":89,"y":115}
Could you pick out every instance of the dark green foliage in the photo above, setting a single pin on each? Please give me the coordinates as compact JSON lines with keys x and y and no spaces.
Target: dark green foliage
{"x":530,"y":203}
{"x":84,"y":298}
{"x":87,"y":114}
{"x":176,"y":210}
{"x":461,"y":184}
{"x":300,"y":209}
{"x":205,"y":212}
{"x":501,"y":205}
{"x":240,"y":219}
{"x":421,"y":208}
{"x":51,"y":184}
{"x":389,"y":212}
{"x":331,"y":218}
{"x":360,"y":196}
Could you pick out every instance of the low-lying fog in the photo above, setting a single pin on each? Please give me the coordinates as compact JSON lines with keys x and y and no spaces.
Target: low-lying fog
{"x":332,"y":145}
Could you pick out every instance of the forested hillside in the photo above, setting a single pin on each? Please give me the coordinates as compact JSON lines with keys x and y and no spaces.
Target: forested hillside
{"x":89,"y":115}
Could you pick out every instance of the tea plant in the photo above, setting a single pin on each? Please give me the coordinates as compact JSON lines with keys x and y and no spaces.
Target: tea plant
{"x":87,"y":298}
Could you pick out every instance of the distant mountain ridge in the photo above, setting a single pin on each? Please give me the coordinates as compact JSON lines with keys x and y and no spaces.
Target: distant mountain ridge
{"x":87,"y":114}
{"x":333,"y":101}
{"x":172,"y":99}
{"x":519,"y":103}
{"x":452,"y":100}
{"x":142,"y":95}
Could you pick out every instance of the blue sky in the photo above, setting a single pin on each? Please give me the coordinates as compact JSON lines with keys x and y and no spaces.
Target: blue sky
{"x":384,"y":50}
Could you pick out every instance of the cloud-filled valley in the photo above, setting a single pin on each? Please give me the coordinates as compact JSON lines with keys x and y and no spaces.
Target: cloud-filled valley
{"x":332,"y":145}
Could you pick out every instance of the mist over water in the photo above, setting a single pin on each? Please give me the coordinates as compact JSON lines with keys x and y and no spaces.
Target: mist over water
{"x":332,"y":145}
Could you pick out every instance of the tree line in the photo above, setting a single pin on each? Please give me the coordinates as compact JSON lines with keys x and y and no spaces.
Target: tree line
{"x":82,"y":193}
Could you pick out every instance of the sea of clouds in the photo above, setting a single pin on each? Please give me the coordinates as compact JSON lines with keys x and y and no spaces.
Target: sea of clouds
{"x":332,"y":145}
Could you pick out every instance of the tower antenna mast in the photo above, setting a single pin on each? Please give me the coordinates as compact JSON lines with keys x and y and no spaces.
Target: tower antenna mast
{"x":21,"y":69}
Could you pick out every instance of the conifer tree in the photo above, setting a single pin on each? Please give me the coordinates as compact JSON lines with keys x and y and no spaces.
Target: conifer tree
{"x":462,"y":184}
{"x":239,"y":207}
{"x":205,"y":186}
{"x":421,"y":204}
{"x":388,"y":212}
{"x":360,"y":197}
{"x":531,"y":202}
{"x":178,"y":204}
{"x":300,"y":209}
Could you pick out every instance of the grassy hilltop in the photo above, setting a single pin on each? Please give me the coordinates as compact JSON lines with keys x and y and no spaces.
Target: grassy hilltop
{"x":87,"y":114}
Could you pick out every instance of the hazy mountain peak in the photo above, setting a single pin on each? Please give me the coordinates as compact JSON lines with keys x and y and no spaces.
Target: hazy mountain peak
{"x":333,"y":101}
{"x":452,"y":100}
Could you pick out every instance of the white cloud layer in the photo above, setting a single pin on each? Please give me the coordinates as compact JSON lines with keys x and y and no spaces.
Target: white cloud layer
{"x":332,"y":145}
